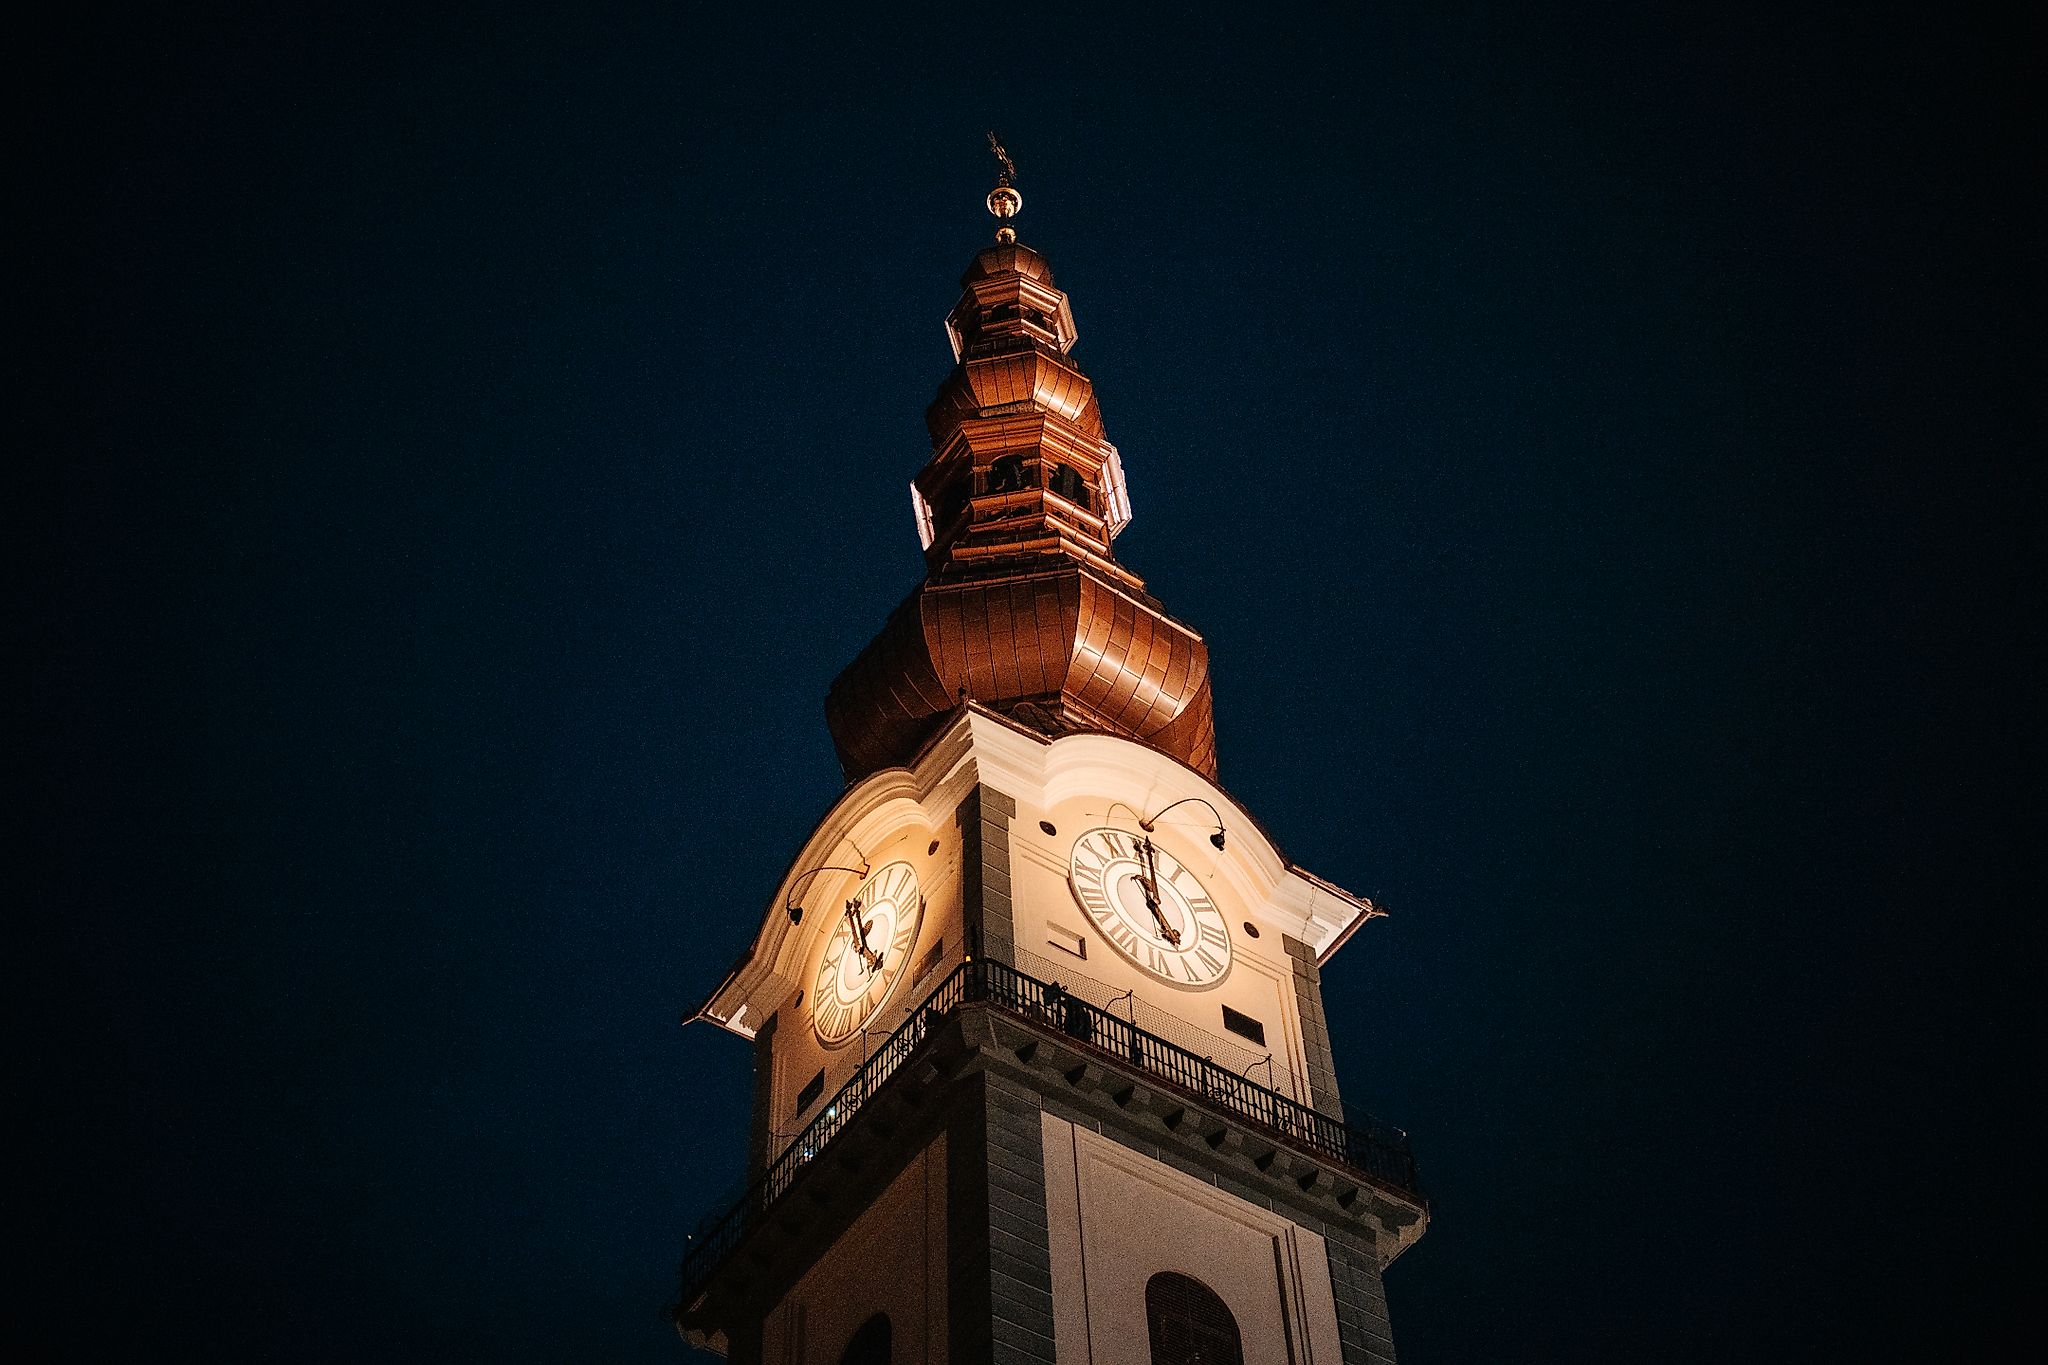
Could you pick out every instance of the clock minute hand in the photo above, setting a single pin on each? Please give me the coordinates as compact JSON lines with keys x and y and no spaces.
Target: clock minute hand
{"x":1148,"y":882}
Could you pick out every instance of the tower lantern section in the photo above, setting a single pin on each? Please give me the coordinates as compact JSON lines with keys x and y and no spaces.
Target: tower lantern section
{"x":1020,"y":462}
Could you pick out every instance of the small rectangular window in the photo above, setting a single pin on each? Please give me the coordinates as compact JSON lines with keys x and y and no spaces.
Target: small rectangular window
{"x":928,"y":961}
{"x":1066,"y":939}
{"x":1244,"y":1026}
{"x":813,"y":1088}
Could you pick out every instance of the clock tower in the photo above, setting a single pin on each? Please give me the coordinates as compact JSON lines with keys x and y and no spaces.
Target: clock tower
{"x":1041,"y":1071}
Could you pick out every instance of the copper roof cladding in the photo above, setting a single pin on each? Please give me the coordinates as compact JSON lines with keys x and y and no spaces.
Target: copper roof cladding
{"x":1024,"y":608}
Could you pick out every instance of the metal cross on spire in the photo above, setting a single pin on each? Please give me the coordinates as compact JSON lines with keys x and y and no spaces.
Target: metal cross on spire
{"x":1004,"y":201}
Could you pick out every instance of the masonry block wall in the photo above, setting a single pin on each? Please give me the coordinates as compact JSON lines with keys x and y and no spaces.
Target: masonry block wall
{"x":1000,"y":1271}
{"x":984,"y":820}
{"x":1315,"y":1029}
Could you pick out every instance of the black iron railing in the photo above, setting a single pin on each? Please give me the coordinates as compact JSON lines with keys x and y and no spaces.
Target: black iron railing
{"x":1376,"y":1149}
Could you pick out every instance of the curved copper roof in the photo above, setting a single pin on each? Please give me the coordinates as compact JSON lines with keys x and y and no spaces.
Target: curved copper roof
{"x":1060,"y":650}
{"x":1025,"y":609}
{"x":1012,"y":258}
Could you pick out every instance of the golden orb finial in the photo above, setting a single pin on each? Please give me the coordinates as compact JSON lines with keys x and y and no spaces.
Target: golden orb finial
{"x":1004,"y":201}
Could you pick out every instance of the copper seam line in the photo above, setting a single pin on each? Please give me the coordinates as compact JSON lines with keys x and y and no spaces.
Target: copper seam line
{"x":1089,"y":647}
{"x":871,"y":729}
{"x":1060,"y":664}
{"x":1002,"y":631}
{"x":985,"y":380}
{"x":940,"y":617}
{"x":1193,"y":734}
{"x":980,"y":652}
{"x":1081,"y":398}
{"x":1055,"y":390}
{"x":1030,"y":660}
{"x":1184,"y":696}
{"x":894,"y":710}
{"x":986,"y":658}
{"x":1030,"y":652}
{"x":1070,"y":620}
{"x":1170,"y":727}
{"x":1122,"y":702}
{"x":1008,"y":380}
{"x":1055,"y":632}
{"x":1180,"y":670}
{"x":1091,"y":636}
{"x":916,"y":693}
{"x":1126,"y":649}
{"x":1109,"y":673}
{"x":1203,"y":707}
{"x":1019,"y":385}
{"x":1162,"y":702}
{"x":1076,"y":398}
{"x":1002,"y":641}
{"x":1148,"y":703}
{"x":916,"y":647}
{"x":1184,"y":740}
{"x":953,"y":663}
{"x":1123,"y":616}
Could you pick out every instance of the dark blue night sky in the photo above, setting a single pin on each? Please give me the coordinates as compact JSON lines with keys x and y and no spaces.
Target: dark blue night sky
{"x":466,"y":442}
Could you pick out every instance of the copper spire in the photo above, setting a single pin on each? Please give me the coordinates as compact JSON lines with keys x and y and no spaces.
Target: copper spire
{"x":1024,"y":608}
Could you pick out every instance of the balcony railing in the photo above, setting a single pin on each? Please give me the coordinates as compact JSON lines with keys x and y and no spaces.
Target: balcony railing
{"x":1377,"y":1150}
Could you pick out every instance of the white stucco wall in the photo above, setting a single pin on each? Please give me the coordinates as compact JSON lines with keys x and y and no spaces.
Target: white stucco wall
{"x":1116,"y":1218}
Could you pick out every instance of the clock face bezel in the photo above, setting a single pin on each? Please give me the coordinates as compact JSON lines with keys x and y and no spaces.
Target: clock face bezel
{"x":1104,"y":883}
{"x":845,"y":993}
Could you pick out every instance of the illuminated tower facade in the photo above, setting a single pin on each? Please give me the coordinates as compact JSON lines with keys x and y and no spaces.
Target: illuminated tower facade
{"x":1041,"y":1071}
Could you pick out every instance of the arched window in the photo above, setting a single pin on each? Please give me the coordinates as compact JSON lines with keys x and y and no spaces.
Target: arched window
{"x":1188,"y":1324}
{"x":870,"y":1345}
{"x":1005,"y":474}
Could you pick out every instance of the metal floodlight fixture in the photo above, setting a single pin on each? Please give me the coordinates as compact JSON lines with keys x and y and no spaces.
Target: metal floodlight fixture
{"x":1216,"y":838}
{"x":795,"y":909}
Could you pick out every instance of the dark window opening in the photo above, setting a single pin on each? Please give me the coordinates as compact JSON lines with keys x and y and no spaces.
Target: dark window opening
{"x":813,"y":1088}
{"x":928,"y":961}
{"x":1244,"y":1026}
{"x":1068,"y":483}
{"x":870,"y":1345}
{"x":1188,"y":1324}
{"x":1005,"y":474}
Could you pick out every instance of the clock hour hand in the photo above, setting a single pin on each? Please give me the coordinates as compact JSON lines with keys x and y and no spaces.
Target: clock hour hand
{"x":860,"y":936}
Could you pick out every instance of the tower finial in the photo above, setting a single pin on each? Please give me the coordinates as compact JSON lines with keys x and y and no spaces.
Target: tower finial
{"x":1004,"y":201}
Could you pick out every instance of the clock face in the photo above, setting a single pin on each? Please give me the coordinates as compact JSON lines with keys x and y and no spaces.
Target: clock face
{"x":868,"y":953}
{"x":1150,"y":908}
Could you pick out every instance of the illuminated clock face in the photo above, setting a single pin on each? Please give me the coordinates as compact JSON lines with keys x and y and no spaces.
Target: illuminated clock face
{"x":868,"y":953}
{"x":1150,"y":908}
